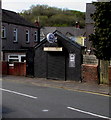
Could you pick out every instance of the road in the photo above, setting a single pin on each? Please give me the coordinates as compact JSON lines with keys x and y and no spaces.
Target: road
{"x":24,"y":100}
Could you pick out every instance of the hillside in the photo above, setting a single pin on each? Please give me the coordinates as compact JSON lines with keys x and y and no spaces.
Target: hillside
{"x":52,"y":16}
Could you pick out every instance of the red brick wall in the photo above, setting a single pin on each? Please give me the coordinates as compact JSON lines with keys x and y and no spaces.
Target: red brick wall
{"x":4,"y":68}
{"x":89,"y":73}
{"x":17,"y":69}
{"x":110,"y":75}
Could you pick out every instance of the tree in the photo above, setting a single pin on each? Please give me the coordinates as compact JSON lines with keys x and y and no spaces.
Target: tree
{"x":52,"y":16}
{"x":101,"y":38}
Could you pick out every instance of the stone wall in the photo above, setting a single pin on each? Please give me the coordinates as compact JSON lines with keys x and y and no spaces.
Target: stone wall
{"x":90,"y":59}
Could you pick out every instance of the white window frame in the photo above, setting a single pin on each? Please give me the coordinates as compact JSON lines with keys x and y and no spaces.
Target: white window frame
{"x":15,"y":35}
{"x":3,"y":32}
{"x":15,"y":57}
{"x":27,"y":36}
{"x":35,"y":36}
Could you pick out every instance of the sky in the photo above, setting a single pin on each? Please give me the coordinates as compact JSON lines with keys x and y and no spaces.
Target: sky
{"x":20,"y":5}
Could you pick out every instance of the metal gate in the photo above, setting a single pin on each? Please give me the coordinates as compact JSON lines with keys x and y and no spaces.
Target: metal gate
{"x":55,"y":65}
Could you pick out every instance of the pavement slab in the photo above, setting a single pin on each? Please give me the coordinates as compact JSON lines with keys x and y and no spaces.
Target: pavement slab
{"x":69,"y":85}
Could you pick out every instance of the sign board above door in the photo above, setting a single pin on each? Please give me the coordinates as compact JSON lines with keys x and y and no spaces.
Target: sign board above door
{"x":53,"y":48}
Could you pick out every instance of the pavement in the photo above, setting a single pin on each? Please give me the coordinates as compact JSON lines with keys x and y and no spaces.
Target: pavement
{"x":88,"y":87}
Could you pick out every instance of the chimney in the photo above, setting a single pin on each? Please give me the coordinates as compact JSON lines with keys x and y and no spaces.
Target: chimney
{"x":77,"y":24}
{"x":37,"y":23}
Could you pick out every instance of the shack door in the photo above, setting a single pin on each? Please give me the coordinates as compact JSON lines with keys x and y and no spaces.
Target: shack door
{"x":56,"y":65}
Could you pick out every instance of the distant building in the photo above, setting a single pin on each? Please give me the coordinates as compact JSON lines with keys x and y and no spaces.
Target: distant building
{"x":0,"y":30}
{"x":75,"y":34}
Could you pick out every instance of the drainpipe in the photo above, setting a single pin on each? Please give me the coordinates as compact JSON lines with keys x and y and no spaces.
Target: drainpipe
{"x":38,"y":30}
{"x":38,"y":35}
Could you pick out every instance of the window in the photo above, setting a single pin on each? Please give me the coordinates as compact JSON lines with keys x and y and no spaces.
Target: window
{"x":35,"y":36}
{"x":16,"y":58}
{"x":27,"y":36}
{"x":3,"y":32}
{"x":13,"y":58}
{"x":15,"y":39}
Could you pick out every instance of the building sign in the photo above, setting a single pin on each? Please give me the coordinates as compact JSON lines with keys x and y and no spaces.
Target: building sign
{"x":72,"y":60}
{"x":50,"y":38}
{"x":52,"y":48}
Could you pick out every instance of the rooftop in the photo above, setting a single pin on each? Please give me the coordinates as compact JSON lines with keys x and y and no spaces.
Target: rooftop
{"x":14,"y":18}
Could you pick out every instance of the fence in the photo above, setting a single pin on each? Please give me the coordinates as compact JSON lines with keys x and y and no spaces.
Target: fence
{"x":89,"y":73}
{"x":4,"y":68}
{"x":110,"y":75}
{"x":15,"y":68}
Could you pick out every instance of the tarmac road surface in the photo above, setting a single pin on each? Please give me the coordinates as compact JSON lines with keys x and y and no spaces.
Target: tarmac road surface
{"x":24,"y":100}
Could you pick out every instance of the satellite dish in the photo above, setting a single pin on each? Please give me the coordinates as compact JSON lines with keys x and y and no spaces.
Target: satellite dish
{"x":50,"y":38}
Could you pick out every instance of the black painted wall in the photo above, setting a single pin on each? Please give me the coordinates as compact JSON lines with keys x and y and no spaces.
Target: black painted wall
{"x":40,"y":64}
{"x":55,"y":65}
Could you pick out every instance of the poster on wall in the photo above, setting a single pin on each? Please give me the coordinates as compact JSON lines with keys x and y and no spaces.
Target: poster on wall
{"x":72,"y":60}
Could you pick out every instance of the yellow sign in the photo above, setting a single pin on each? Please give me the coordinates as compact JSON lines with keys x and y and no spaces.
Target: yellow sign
{"x":52,"y":48}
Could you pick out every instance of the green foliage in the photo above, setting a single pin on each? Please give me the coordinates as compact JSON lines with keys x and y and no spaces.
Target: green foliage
{"x":52,"y":16}
{"x":101,"y":38}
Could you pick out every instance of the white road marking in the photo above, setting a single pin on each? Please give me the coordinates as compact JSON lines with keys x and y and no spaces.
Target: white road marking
{"x":45,"y":110}
{"x":22,"y":94}
{"x":100,"y":116}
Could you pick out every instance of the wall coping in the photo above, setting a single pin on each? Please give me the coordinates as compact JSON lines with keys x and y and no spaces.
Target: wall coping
{"x":90,"y":65}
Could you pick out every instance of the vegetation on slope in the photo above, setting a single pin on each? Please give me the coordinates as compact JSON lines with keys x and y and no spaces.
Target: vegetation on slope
{"x":52,"y":16}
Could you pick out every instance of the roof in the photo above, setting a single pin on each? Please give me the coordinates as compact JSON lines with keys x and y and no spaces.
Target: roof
{"x":64,"y":30}
{"x":63,"y":40}
{"x":90,"y":8}
{"x":14,"y":18}
{"x":18,"y":50}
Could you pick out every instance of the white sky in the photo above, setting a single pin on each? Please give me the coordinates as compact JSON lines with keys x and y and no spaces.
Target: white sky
{"x":19,"y":5}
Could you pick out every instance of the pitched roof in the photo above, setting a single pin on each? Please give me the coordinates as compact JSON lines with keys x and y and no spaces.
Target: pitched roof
{"x":15,"y":18}
{"x":63,"y":40}
{"x":64,"y":30}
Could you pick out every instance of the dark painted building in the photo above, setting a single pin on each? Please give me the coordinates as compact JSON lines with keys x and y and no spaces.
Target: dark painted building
{"x":0,"y":30}
{"x":17,"y":36}
{"x":61,"y":59}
